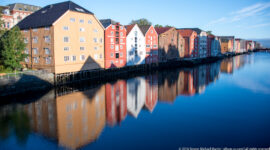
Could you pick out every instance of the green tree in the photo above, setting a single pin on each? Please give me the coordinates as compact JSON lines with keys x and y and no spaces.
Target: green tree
{"x":142,"y":21}
{"x":158,"y":26}
{"x":11,"y":49}
{"x":209,"y":32}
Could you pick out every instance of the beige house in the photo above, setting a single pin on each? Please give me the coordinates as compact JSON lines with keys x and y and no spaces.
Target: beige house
{"x":63,"y":37}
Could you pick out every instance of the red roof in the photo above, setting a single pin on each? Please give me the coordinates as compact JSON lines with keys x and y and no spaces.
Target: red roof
{"x":211,"y":36}
{"x":161,"y":30}
{"x":185,"y":32}
{"x":129,"y":28}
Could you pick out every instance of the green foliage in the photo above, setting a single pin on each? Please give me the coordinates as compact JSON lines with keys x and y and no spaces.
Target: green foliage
{"x":11,"y":49}
{"x":209,"y":32}
{"x":158,"y":26}
{"x":142,"y":21}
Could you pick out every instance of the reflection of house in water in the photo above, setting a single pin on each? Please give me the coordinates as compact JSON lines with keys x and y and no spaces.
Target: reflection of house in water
{"x":167,"y":86}
{"x":151,"y":92}
{"x":135,"y":95}
{"x":81,"y":117}
{"x":42,"y":114}
{"x":201,"y":78}
{"x":188,"y":83}
{"x":227,"y":66}
{"x":116,"y":102}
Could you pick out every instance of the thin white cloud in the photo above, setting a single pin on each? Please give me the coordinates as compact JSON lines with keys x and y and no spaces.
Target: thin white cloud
{"x":253,"y":10}
{"x":259,"y":25}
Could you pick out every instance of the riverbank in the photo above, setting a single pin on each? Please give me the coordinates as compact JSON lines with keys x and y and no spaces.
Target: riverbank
{"x":35,"y":83}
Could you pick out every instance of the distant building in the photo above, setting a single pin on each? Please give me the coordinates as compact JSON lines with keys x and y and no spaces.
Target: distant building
{"x":135,"y":45}
{"x":151,"y":43}
{"x":237,"y":46}
{"x":215,"y":47}
{"x":115,"y":44}
{"x":250,"y":45}
{"x":191,"y":45}
{"x":171,"y":44}
{"x":226,"y":43}
{"x":68,"y":38}
{"x":14,"y":13}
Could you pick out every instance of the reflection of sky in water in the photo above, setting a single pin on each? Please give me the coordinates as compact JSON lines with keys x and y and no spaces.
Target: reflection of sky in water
{"x":254,"y":77}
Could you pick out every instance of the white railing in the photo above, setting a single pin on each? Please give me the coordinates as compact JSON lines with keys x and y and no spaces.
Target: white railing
{"x":17,"y":75}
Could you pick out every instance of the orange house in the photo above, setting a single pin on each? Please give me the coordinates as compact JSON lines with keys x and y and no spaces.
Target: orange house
{"x":115,"y":44}
{"x":68,"y":38}
{"x":190,"y":37}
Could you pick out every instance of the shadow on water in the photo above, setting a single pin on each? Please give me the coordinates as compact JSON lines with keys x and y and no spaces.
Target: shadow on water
{"x":75,"y":115}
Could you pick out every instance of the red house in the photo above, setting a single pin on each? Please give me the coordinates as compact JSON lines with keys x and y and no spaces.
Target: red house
{"x":210,"y":38}
{"x":115,"y":44}
{"x":116,"y":102}
{"x":151,"y":43}
{"x":191,"y":42}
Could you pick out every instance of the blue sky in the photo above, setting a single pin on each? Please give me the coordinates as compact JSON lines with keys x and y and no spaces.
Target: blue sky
{"x":248,"y":19}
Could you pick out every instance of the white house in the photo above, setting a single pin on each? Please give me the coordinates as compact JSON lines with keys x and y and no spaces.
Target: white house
{"x":136,"y":95}
{"x":135,"y":45}
{"x":202,"y":44}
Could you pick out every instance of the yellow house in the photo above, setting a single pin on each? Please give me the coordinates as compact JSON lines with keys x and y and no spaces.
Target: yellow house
{"x":63,"y":37}
{"x":226,"y":44}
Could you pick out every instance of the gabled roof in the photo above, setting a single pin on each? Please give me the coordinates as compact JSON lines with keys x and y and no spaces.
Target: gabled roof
{"x":129,"y":28}
{"x":185,"y":32}
{"x":23,"y":7}
{"x":197,"y":30}
{"x":161,"y":30}
{"x":144,"y":28}
{"x":49,"y":14}
{"x":107,"y":22}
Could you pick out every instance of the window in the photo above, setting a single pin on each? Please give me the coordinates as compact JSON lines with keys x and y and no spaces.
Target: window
{"x":35,"y":29}
{"x":48,"y":60}
{"x":95,"y":40}
{"x":113,"y":27}
{"x":152,"y":31}
{"x":66,"y":39}
{"x":121,"y":40}
{"x":112,"y":40}
{"x":100,"y":56}
{"x":65,"y":28}
{"x":36,"y":60}
{"x":147,"y":46}
{"x":72,"y":19}
{"x":121,"y":46}
{"x":47,"y":39}
{"x":47,"y":28}
{"x":66,"y":48}
{"x":25,"y":40}
{"x":112,"y":55}
{"x":112,"y":46}
{"x":96,"y":56}
{"x":121,"y":61}
{"x":82,"y":48}
{"x":112,"y":32}
{"x":117,"y":55}
{"x":26,"y":59}
{"x":35,"y":51}
{"x":111,"y":61}
{"x":121,"y":34}
{"x":35,"y":39}
{"x":89,"y":22}
{"x":155,"y":46}
{"x":121,"y":27}
{"x":116,"y":47}
{"x":47,"y":51}
{"x":66,"y":58}
{"x":121,"y":54}
{"x":95,"y":48}
{"x":82,"y":39}
{"x":26,"y":50}
{"x":81,"y":21}
{"x":81,"y":29}
{"x":101,"y":40}
{"x":95,"y":30}
{"x":73,"y":58}
{"x":82,"y":57}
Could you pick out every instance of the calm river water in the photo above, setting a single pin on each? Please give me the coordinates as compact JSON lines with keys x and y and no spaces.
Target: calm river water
{"x":224,"y":104}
